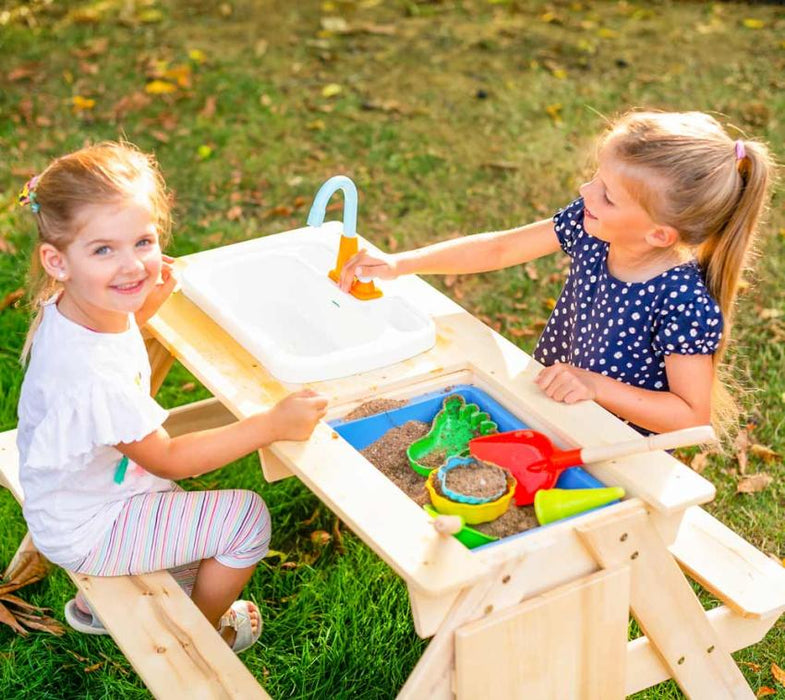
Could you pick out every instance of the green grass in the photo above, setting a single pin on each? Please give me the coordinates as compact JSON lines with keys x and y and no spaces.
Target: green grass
{"x":425,"y":113}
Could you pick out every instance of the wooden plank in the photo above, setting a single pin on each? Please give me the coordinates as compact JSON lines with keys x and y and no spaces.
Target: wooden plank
{"x":273,"y":467}
{"x":664,"y":604}
{"x":645,"y":667}
{"x":429,"y":611}
{"x":164,"y":636}
{"x":728,"y":566}
{"x":167,"y":640}
{"x":161,"y":362}
{"x":196,"y":416}
{"x":570,"y":642}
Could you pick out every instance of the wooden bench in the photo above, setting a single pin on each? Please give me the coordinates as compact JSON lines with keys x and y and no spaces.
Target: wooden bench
{"x":170,"y":644}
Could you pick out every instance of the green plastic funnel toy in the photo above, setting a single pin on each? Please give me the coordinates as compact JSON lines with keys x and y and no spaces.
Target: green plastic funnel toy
{"x":451,"y":430}
{"x":556,"y":504}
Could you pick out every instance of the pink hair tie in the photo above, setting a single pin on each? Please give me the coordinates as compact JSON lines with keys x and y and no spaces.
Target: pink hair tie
{"x":741,"y":152}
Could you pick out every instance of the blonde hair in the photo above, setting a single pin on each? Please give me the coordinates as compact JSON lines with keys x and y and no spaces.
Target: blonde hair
{"x":688,"y":173}
{"x":104,"y":174}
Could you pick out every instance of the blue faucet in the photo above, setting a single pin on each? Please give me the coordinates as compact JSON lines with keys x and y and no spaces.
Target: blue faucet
{"x":362,"y":288}
{"x":327,"y":190}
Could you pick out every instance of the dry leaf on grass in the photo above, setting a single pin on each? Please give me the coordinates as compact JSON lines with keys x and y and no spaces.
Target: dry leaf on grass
{"x":18,"y":614}
{"x":764,"y":690}
{"x":754,"y":483}
{"x":765,"y":453}
{"x":741,"y":446}
{"x":778,"y":673}
{"x":11,"y":298}
{"x":699,"y":462}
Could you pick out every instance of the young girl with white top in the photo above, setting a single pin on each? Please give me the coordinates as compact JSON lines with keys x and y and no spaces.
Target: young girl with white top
{"x":658,"y":240}
{"x":96,"y":465}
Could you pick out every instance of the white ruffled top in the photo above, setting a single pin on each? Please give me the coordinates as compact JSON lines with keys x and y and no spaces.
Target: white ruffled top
{"x":83,"y":393}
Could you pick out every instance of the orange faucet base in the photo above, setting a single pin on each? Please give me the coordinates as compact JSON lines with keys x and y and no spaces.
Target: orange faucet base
{"x":360,"y":290}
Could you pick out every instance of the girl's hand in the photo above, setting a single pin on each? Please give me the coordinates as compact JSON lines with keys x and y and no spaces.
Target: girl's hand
{"x":159,"y":294}
{"x":568,"y":384}
{"x":381,"y":266}
{"x":295,"y":417}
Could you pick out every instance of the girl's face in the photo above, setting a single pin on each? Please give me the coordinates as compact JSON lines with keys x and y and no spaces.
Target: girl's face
{"x":611,"y":214}
{"x":111,"y":266}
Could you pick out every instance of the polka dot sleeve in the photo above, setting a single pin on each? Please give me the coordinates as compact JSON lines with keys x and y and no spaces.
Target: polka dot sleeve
{"x":691,"y":328}
{"x":568,"y":223}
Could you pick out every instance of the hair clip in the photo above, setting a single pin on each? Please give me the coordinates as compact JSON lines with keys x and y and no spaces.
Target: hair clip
{"x":27,"y":195}
{"x":741,"y":152}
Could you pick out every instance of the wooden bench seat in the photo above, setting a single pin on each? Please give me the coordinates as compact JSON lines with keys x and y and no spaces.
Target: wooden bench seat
{"x":170,"y":644}
{"x":741,"y":576}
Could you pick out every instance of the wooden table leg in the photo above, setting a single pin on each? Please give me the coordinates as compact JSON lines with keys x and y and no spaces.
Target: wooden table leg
{"x":161,"y":361}
{"x":664,"y":604}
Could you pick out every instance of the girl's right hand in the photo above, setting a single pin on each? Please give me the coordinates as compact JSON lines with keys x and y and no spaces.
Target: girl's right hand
{"x":380,"y":266}
{"x":295,"y":417}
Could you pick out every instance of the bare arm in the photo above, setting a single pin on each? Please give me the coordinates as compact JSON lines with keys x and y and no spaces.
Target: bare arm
{"x":159,"y":294}
{"x":480,"y":252}
{"x":687,"y":403}
{"x":192,"y":454}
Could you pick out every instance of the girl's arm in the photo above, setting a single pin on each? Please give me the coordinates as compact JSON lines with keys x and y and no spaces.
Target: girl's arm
{"x":159,"y":294}
{"x":192,"y":454}
{"x":480,"y":252}
{"x":685,"y":404}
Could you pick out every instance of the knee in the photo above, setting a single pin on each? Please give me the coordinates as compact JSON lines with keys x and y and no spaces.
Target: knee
{"x":258,"y":518}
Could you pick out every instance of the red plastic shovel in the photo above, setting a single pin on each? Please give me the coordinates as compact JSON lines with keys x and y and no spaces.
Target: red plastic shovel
{"x":536,"y":464}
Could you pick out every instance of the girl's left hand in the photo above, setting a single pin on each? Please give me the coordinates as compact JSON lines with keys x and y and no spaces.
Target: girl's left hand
{"x":568,"y":384}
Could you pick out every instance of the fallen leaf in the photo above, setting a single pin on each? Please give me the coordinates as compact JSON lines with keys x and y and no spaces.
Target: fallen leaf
{"x":197,"y":56}
{"x":331,"y":90}
{"x":765,"y":453}
{"x":778,"y":673}
{"x":281,"y":210}
{"x":234,"y":213}
{"x":554,"y":112}
{"x":754,"y":483}
{"x":6,"y":246}
{"x":741,"y":444}
{"x":699,"y":462}
{"x":335,"y":25}
{"x":316,"y":125}
{"x":209,"y":107}
{"x":204,"y":152}
{"x":320,"y":537}
{"x":11,"y":298}
{"x":501,"y":165}
{"x":531,"y":271}
{"x":522,"y":332}
{"x":750,"y":665}
{"x":764,"y":690}
{"x":81,"y":104}
{"x":188,"y":386}
{"x":550,"y":302}
{"x":767,"y":314}
{"x":159,"y":87}
{"x":752,"y":23}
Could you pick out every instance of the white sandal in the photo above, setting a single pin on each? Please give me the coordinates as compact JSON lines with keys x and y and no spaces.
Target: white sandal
{"x":81,"y":621}
{"x":239,"y":619}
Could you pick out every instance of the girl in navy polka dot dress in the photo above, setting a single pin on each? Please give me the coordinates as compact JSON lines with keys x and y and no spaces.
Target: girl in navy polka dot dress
{"x":658,"y":241}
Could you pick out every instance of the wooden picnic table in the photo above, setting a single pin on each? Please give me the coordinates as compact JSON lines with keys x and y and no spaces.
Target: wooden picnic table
{"x":543,"y":615}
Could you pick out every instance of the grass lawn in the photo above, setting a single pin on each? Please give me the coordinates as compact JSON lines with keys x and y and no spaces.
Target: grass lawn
{"x":451,"y":117}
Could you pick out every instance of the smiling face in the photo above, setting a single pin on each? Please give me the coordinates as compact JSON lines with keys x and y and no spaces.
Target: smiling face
{"x":109,"y":268}
{"x":612,"y":214}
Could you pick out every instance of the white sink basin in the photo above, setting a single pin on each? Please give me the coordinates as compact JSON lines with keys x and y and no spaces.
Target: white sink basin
{"x":273,"y":296}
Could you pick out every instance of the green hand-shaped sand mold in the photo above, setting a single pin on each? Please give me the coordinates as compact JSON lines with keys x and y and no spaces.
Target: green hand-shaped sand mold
{"x":451,"y":430}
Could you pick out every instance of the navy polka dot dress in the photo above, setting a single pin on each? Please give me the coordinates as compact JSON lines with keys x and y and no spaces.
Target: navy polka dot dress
{"x":624,"y":329}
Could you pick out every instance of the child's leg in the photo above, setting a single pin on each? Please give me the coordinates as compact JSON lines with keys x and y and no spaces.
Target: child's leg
{"x":228,"y":531}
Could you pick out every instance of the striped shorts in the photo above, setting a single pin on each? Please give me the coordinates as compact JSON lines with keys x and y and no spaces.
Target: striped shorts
{"x":175,"y":530}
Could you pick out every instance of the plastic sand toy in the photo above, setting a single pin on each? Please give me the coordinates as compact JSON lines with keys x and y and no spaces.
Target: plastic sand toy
{"x":451,"y":430}
{"x":467,"y":536}
{"x":472,"y":513}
